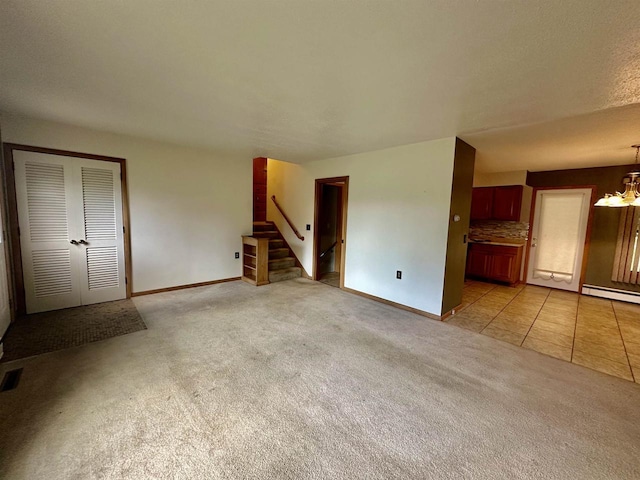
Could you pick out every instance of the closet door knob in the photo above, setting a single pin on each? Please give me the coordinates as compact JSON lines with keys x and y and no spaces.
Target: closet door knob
{"x":83,"y":242}
{"x":73,"y":242}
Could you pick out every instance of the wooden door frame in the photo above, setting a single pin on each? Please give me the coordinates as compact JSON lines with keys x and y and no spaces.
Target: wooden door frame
{"x":19,"y":305}
{"x":344,"y":184}
{"x":587,"y":235}
{"x":6,"y":244}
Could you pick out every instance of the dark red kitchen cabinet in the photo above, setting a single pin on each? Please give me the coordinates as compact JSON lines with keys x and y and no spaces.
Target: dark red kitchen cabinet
{"x":481,"y":203}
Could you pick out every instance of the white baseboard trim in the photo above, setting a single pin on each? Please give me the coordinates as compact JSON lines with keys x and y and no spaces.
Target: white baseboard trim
{"x":611,"y":293}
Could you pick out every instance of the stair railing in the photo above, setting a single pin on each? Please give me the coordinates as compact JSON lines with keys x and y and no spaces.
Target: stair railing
{"x":328,"y":249}
{"x":295,"y":230}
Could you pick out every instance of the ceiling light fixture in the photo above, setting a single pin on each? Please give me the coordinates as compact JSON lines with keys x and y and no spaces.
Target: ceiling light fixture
{"x":631,"y":196}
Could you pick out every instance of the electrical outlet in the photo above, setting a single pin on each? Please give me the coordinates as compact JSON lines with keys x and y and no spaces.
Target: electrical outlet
{"x":308,"y":226}
{"x":237,"y":254}
{"x":399,"y":275}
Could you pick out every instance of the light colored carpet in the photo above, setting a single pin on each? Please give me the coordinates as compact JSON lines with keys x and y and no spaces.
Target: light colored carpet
{"x":299,"y":380}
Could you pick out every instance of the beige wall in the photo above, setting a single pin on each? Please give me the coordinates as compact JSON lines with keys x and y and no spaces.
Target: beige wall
{"x":481,"y":179}
{"x":188,"y":206}
{"x":398,"y":217}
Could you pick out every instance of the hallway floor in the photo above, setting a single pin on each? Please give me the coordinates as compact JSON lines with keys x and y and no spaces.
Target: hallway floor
{"x":600,"y":334}
{"x":332,"y":279}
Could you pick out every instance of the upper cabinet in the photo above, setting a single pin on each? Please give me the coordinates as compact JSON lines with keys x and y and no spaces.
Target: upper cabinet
{"x":482,"y":203}
{"x":507,"y":202}
{"x":496,"y":203}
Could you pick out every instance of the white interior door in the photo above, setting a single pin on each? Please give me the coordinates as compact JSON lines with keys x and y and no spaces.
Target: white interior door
{"x":45,"y":198}
{"x":102,"y":238}
{"x":558,"y":237}
{"x":70,"y":218}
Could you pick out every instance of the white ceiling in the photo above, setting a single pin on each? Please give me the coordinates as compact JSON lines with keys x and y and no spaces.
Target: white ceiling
{"x":301,"y":80}
{"x":591,"y":140}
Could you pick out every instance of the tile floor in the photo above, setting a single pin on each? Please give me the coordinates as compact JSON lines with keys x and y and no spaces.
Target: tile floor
{"x":600,"y":334}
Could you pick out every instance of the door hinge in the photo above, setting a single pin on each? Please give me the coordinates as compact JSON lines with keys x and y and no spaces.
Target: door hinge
{"x":124,"y":230}
{"x":18,"y":231}
{"x":126,"y":281}
{"x":13,"y":165}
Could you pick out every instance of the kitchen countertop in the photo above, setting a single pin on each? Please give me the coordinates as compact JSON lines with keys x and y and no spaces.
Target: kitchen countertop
{"x":500,"y":244}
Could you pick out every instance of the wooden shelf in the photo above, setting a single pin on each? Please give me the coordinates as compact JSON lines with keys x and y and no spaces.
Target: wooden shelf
{"x":255,"y":260}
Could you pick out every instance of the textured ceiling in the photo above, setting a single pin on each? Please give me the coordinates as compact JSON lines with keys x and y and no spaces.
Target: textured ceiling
{"x":591,"y":140}
{"x":302,"y":80}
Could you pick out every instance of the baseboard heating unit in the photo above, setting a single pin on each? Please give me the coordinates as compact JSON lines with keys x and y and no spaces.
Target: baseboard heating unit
{"x":611,"y":293}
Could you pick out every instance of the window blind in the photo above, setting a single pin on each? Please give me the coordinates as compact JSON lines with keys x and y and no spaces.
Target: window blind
{"x":626,"y":265}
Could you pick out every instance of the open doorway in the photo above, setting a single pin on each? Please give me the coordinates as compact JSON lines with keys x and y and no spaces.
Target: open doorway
{"x":330,"y":230}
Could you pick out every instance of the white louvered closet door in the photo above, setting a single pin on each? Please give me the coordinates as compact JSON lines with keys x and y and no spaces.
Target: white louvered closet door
{"x":50,"y":264}
{"x":102,"y":237}
{"x":70,"y":217}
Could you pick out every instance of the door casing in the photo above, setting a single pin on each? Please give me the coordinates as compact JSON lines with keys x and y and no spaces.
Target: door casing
{"x":343,"y":182}
{"x":12,"y":215}
{"x":4,"y":231}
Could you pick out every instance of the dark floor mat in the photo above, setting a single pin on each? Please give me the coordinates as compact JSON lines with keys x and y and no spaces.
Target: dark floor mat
{"x":49,"y":331}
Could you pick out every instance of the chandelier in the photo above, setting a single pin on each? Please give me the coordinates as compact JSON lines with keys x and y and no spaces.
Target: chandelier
{"x":631,"y":196}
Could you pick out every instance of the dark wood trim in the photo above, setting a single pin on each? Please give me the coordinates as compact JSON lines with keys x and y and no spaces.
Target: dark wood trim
{"x":317,"y":195}
{"x":342,"y":182}
{"x":450,"y":313}
{"x":396,"y":305}
{"x":183,"y":287}
{"x":587,"y":237}
{"x":64,"y":153}
{"x":128,"y":267}
{"x":14,"y":236}
{"x":12,"y":210}
{"x":6,"y":231}
{"x":343,"y":229}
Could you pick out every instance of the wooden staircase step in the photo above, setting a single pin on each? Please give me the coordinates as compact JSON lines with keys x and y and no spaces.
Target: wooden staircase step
{"x":266,"y":234}
{"x":284,"y":274}
{"x":280,"y":263}
{"x":275,"y":243}
{"x":263,"y":226}
{"x":278,"y":253}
